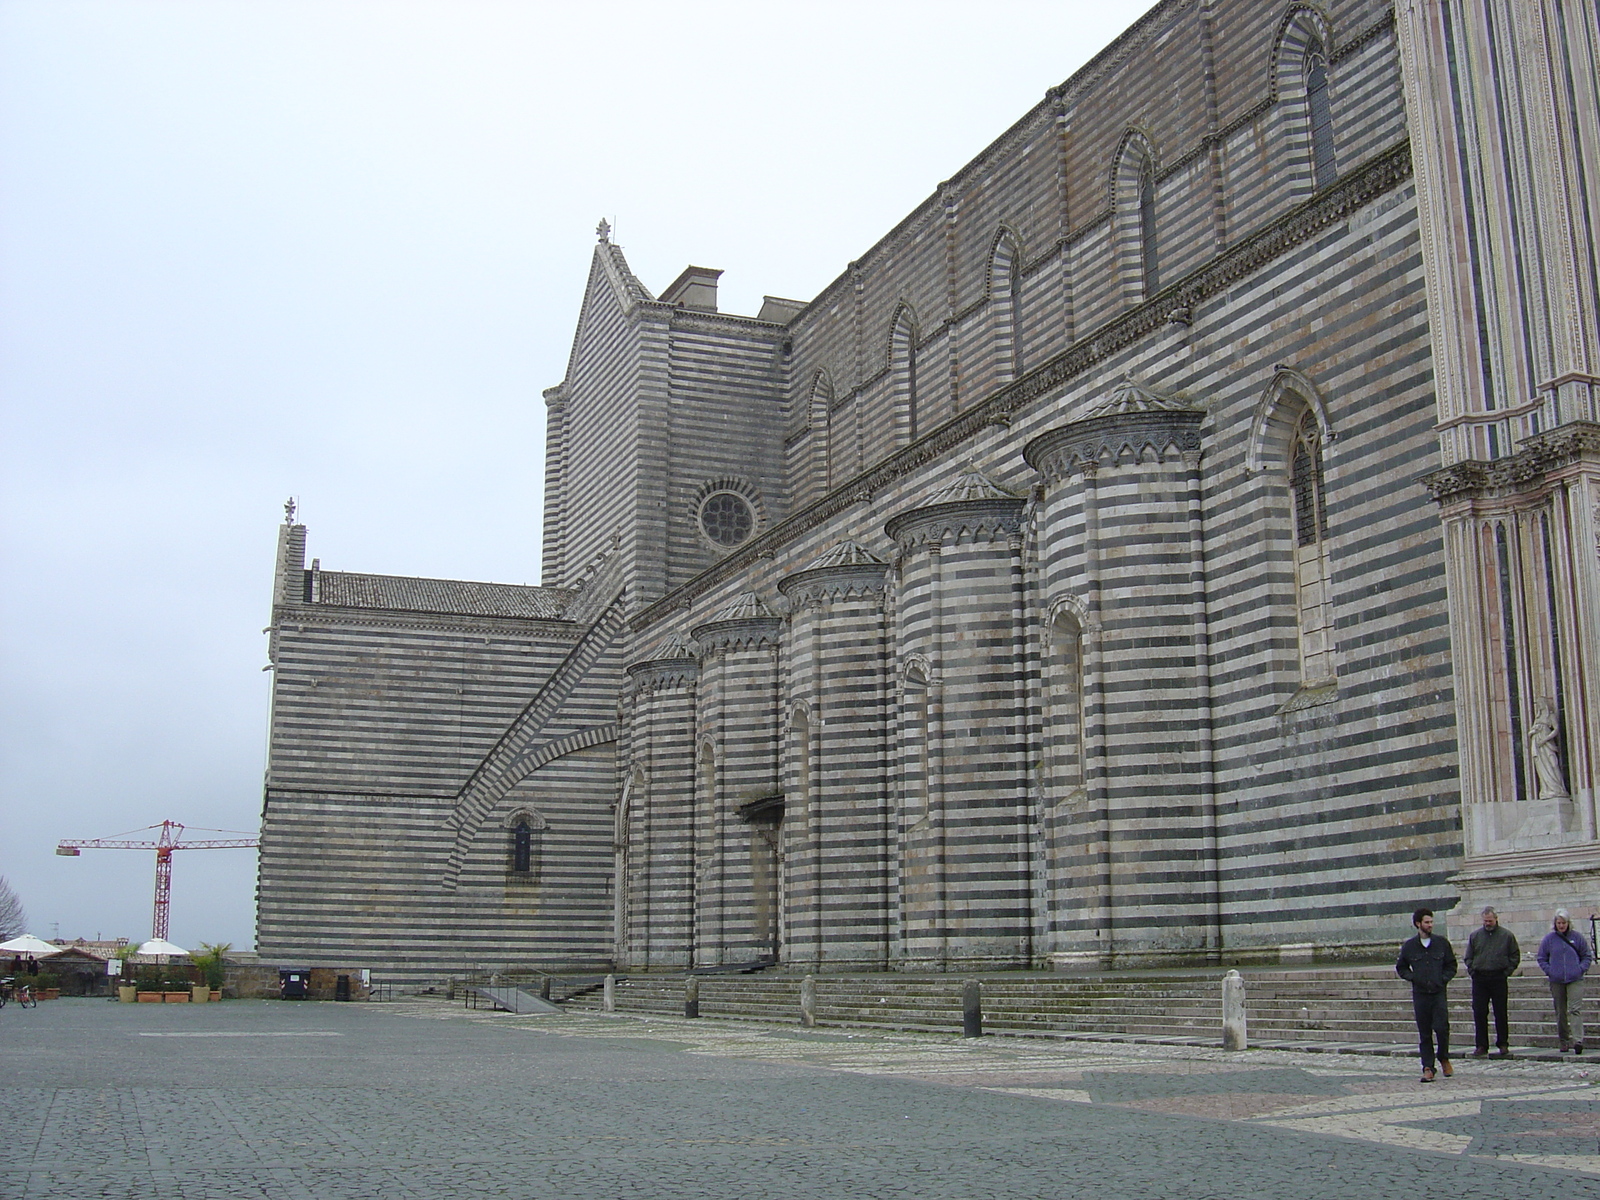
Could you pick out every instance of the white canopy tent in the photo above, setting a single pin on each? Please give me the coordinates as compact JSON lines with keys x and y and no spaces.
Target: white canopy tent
{"x":161,"y":949}
{"x":28,"y":944}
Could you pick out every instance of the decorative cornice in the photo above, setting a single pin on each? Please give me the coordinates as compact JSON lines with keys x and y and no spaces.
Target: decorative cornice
{"x":1130,"y":422}
{"x":1360,"y":187}
{"x":974,"y":505}
{"x":660,"y":674}
{"x":848,"y":570}
{"x":673,"y":666}
{"x":745,"y":624}
{"x":1530,"y":468}
{"x":285,"y":616}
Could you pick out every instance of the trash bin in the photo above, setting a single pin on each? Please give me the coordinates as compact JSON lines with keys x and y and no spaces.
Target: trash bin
{"x":293,"y":985}
{"x":341,"y":988}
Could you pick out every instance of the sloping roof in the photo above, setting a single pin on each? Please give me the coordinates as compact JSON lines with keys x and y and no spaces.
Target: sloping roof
{"x":845,"y":554}
{"x":745,"y":606}
{"x":1130,"y":397}
{"x":455,"y":596}
{"x":972,"y":484}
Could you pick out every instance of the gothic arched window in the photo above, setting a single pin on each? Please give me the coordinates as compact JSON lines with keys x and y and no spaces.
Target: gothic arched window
{"x":1148,"y":265}
{"x":523,"y":834}
{"x":914,"y":746}
{"x":1306,"y":491}
{"x":1319,"y":114}
{"x":1005,"y":283}
{"x":1135,"y":233}
{"x":903,"y":374}
{"x":1064,"y":681}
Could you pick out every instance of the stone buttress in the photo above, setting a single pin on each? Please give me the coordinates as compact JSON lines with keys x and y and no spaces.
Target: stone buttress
{"x":837,"y":817}
{"x":1128,"y":811}
{"x":736,"y":781}
{"x":656,"y":814}
{"x":963,"y":835}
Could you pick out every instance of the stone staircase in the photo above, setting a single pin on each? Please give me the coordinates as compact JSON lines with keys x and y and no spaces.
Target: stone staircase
{"x":1355,"y":1009}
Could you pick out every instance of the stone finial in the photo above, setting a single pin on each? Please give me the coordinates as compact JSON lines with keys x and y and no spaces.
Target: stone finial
{"x":602,"y":231}
{"x":289,"y":507}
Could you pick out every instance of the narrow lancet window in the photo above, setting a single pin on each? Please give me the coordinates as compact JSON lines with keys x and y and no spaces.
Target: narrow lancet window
{"x":1311,"y":569}
{"x":522,"y":847}
{"x":1320,"y":116}
{"x":1147,"y":229}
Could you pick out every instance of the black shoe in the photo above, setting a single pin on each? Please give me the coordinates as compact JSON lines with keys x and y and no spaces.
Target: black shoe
{"x":1502,"y":1053}
{"x":1577,"y":1049}
{"x":1480,"y":1054}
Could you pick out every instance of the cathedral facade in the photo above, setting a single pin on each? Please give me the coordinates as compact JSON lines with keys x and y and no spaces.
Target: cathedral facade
{"x":1178,"y":538}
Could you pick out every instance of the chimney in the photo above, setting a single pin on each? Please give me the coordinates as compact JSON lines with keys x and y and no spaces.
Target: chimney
{"x":695,"y":289}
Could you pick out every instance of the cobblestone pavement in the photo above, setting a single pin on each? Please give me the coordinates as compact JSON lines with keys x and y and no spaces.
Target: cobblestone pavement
{"x":267,"y":1101}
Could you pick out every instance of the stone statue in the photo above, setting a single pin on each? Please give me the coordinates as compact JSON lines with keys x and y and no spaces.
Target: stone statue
{"x":1546,"y":758}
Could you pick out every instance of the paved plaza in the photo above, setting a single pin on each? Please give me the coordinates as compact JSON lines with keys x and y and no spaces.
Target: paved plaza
{"x":257,"y":1099}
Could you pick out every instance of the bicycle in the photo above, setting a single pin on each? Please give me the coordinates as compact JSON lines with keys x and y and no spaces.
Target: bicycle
{"x":10,"y":989}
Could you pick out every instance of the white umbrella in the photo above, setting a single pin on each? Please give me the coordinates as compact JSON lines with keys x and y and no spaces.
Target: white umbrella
{"x":162,"y":947}
{"x":28,"y":944}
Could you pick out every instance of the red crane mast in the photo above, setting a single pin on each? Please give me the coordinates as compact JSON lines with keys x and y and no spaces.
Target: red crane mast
{"x":169,"y":839}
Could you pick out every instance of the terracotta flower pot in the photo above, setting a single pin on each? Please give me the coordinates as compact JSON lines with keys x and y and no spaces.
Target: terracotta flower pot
{"x":216,"y":994}
{"x":151,"y":997}
{"x":176,"y":997}
{"x":128,"y":994}
{"x":200,"y":993}
{"x":48,"y":993}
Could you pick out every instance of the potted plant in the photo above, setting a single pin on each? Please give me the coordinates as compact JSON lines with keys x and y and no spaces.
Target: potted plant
{"x":212,"y":972}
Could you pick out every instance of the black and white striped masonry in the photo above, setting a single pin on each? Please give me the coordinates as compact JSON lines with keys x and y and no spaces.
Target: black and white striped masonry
{"x":1064,"y":585}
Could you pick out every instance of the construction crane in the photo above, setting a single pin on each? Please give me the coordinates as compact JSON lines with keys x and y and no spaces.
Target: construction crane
{"x":170,"y":839}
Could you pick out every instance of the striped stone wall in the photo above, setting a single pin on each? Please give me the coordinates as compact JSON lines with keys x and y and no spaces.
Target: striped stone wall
{"x":388,"y":696}
{"x":1141,"y":769}
{"x":1093,"y":606}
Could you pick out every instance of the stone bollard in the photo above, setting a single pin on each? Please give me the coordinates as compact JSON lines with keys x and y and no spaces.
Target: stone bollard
{"x":808,"y":1001}
{"x":544,"y":988}
{"x":608,"y":996}
{"x":972,"y":1008}
{"x":691,"y":996}
{"x":1234,"y":1036}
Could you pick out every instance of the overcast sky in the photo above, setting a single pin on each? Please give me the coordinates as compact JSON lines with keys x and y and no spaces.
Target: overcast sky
{"x":335,"y":250}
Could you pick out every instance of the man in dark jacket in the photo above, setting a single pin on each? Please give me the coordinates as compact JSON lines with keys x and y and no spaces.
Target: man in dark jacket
{"x":1428,"y":964}
{"x":1565,"y":958}
{"x":1492,"y":958}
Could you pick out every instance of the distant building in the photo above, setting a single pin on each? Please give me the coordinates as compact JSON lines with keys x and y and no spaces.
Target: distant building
{"x":1178,"y":536}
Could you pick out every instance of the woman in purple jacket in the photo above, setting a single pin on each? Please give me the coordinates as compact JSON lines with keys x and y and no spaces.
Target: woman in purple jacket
{"x":1564,"y":957}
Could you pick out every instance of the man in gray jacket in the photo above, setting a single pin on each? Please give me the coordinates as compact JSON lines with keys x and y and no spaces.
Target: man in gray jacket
{"x":1492,"y":958}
